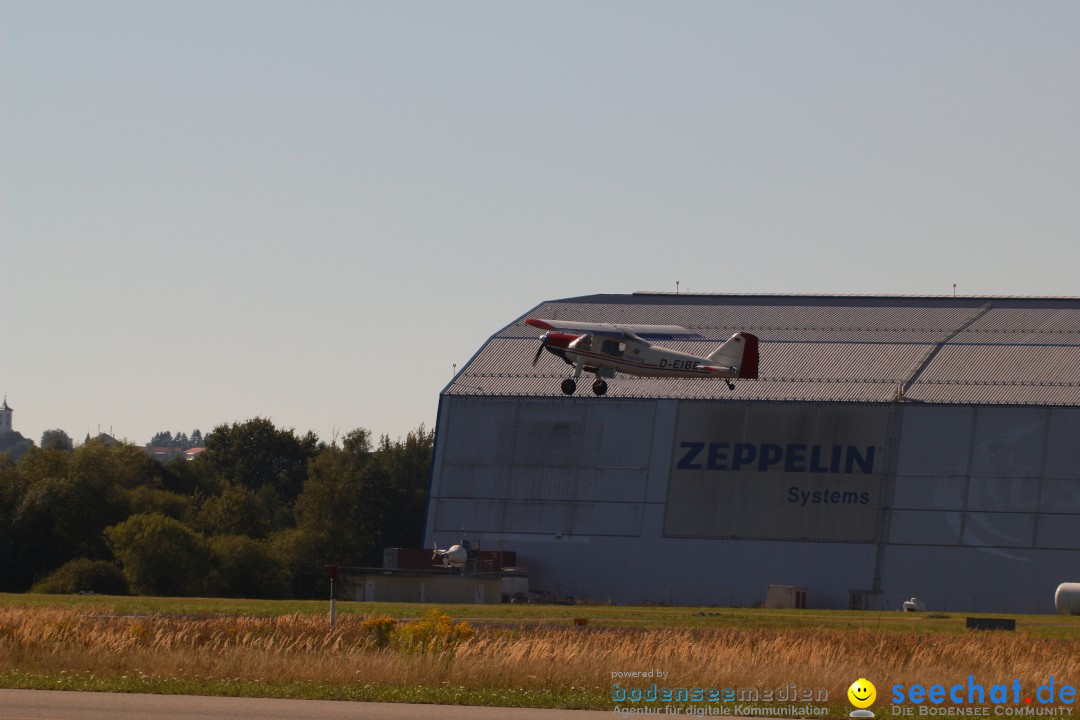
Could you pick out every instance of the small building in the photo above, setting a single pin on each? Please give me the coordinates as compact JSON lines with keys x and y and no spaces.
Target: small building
{"x":422,"y":586}
{"x":786,"y":596}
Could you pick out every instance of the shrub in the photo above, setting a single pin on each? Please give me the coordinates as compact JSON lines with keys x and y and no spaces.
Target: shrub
{"x":246,"y":568}
{"x":378,"y":630}
{"x":160,"y":555}
{"x":433,"y":632}
{"x":83,"y":575}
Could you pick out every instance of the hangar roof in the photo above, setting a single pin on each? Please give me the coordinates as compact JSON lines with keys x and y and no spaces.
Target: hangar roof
{"x":970,"y":350}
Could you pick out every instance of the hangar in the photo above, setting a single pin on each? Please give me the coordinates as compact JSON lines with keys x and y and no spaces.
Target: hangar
{"x":893,"y":446}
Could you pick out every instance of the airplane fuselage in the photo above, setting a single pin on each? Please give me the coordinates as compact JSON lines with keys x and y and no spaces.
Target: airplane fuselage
{"x":637,"y":358}
{"x":606,"y":350}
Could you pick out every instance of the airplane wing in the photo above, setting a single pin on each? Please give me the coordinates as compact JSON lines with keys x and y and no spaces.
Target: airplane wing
{"x":641,"y":332}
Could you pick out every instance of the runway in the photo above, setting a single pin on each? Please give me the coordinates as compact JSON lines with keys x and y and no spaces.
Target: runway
{"x":63,"y":705}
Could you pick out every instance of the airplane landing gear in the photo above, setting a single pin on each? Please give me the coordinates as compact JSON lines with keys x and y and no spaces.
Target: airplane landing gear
{"x":599,"y":387}
{"x":568,"y":386}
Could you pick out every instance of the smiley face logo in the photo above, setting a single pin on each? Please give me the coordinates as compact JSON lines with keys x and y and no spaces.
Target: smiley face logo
{"x":862,"y":693}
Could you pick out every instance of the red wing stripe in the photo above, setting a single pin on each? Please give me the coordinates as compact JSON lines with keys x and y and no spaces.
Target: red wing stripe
{"x":542,"y":324}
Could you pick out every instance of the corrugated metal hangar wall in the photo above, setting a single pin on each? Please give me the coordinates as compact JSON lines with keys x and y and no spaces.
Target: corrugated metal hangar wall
{"x":888,"y":450}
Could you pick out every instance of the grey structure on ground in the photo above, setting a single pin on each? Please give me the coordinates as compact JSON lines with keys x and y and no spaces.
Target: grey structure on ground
{"x":892,"y":447}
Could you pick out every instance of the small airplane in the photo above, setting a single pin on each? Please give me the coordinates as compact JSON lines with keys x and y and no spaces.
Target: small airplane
{"x":605,"y":349}
{"x":456,"y":556}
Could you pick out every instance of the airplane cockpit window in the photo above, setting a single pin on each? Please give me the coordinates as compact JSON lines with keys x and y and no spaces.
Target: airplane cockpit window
{"x":584,"y":342}
{"x":613,"y":347}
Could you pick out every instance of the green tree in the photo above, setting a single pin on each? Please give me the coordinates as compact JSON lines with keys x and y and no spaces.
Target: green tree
{"x":161,"y":556}
{"x":64,"y":509}
{"x":56,"y":440}
{"x":247,"y":568}
{"x":394,"y":494}
{"x":148,"y":500}
{"x":238,"y":510}
{"x":15,"y":572}
{"x":357,"y":501}
{"x":256,"y":454}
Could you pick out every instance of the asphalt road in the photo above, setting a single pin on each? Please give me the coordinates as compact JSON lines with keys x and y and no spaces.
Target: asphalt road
{"x":57,"y":705}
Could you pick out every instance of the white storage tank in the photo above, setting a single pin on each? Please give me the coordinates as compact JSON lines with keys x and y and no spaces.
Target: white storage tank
{"x":1067,"y":599}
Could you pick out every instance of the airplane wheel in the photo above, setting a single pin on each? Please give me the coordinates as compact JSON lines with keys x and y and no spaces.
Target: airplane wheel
{"x":599,"y":387}
{"x":568,"y":386}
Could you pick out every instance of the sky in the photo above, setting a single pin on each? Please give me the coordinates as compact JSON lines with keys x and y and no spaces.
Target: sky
{"x":214,"y":210}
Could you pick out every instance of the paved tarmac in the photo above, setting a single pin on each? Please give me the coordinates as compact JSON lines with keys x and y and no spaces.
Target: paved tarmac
{"x":63,"y":705}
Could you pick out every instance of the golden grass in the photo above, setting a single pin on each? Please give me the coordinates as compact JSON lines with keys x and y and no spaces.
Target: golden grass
{"x":299,"y":648}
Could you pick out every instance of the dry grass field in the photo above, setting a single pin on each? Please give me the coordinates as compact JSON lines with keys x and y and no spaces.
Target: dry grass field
{"x":436,"y":659}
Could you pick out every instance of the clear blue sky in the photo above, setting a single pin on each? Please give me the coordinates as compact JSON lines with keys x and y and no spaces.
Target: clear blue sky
{"x":308,"y":211}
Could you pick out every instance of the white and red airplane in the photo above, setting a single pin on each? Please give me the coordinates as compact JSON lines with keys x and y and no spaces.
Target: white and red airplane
{"x":606,"y":349}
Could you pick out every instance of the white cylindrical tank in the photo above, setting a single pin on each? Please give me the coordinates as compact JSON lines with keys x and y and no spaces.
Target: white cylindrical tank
{"x":1067,"y":599}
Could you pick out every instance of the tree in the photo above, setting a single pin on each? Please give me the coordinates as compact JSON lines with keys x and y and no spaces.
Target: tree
{"x":256,"y":453}
{"x":56,"y":440}
{"x":236,"y":511}
{"x":247,"y":568}
{"x":160,"y":555}
{"x":69,"y":499}
{"x":15,"y":571}
{"x":356,"y":502}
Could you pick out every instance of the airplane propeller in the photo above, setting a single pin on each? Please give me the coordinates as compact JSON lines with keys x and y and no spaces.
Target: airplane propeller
{"x":539,"y":350}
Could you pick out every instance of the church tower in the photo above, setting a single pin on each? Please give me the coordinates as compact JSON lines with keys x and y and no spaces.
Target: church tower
{"x":5,"y":418}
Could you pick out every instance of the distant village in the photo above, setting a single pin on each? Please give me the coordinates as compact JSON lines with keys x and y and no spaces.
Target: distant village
{"x":164,"y":446}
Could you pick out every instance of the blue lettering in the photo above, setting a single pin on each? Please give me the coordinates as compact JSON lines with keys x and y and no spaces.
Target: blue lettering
{"x":744,"y":453}
{"x":687,"y":462}
{"x":770,"y":455}
{"x":617,"y":693}
{"x":793,"y":494}
{"x":955,"y":694}
{"x":898,"y":694}
{"x":866,"y":463}
{"x":972,"y":687}
{"x":936,"y":694}
{"x":916,"y":694}
{"x":718,"y":453}
{"x":864,"y":498}
{"x":1039,"y":692}
{"x":796,"y":456}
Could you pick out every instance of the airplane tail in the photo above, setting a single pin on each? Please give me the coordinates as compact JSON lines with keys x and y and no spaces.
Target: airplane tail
{"x":740,"y":351}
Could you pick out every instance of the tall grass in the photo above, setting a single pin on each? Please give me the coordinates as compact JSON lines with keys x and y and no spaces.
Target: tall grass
{"x":436,"y":652}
